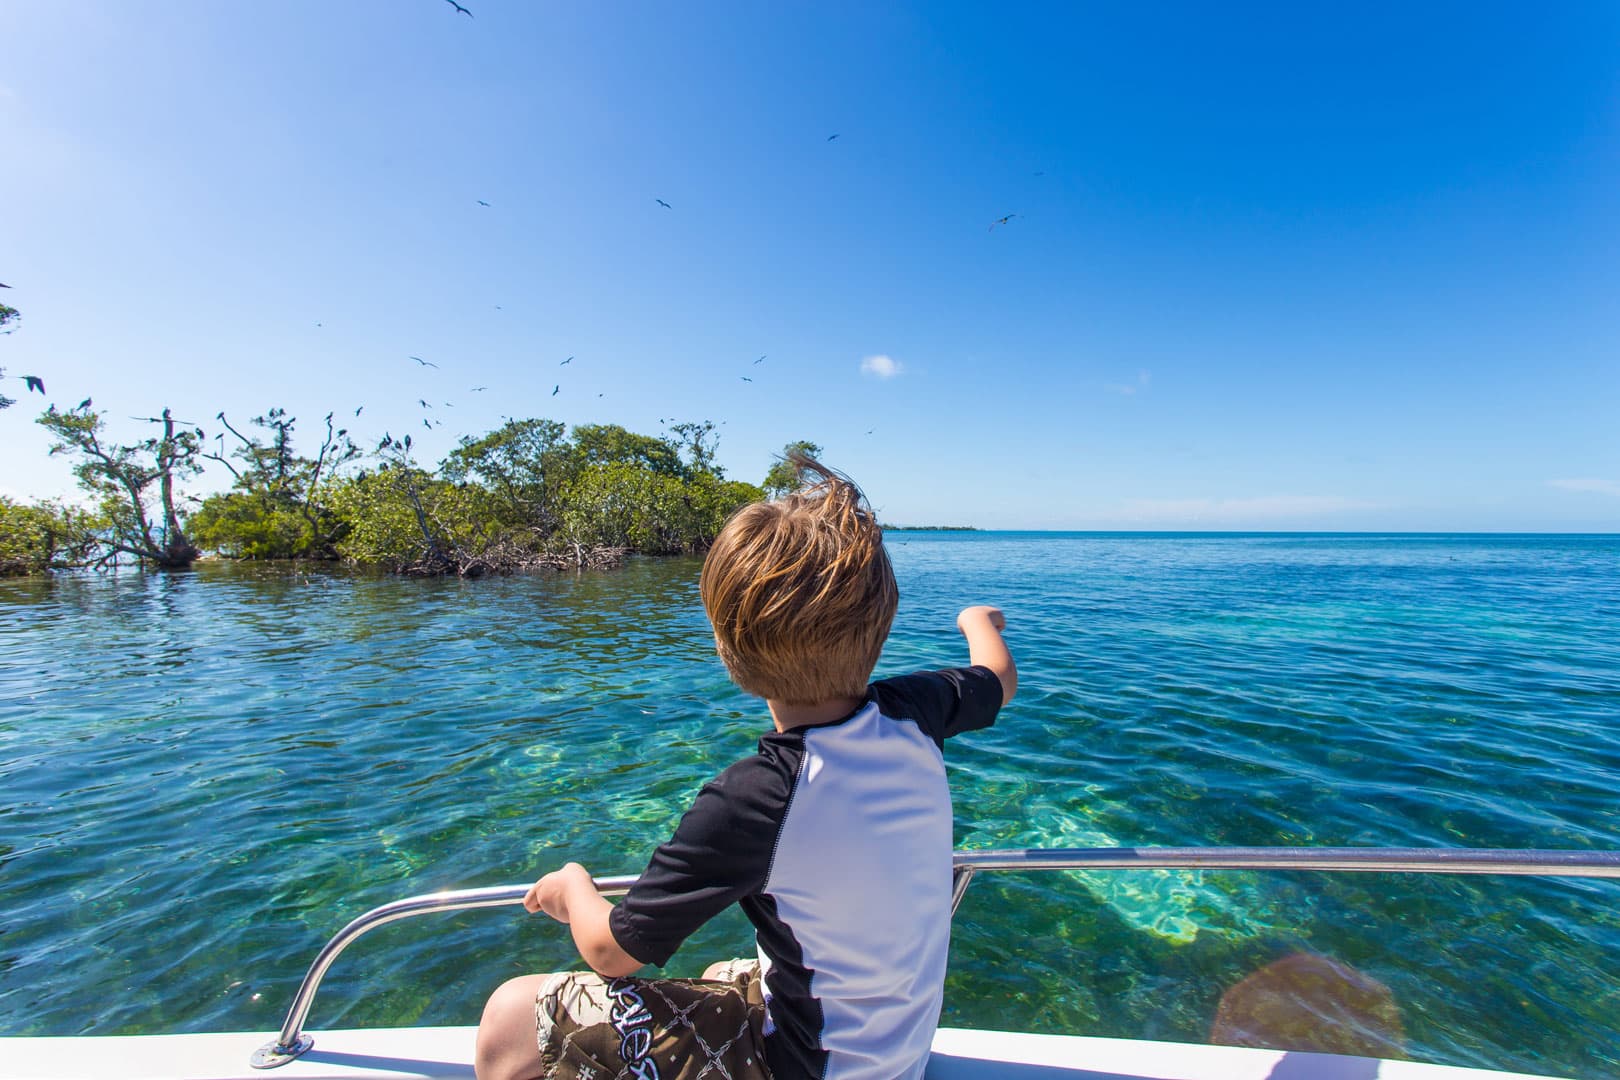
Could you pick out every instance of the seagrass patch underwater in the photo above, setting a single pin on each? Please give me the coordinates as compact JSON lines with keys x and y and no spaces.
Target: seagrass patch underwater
{"x":204,"y":775}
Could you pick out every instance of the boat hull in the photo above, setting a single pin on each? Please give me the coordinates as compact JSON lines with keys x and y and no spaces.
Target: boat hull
{"x":446,"y":1053}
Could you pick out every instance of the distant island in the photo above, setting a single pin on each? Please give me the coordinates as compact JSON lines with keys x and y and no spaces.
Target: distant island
{"x":928,"y":528}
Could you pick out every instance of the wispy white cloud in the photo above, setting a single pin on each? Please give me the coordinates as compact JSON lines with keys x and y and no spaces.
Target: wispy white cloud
{"x":884,"y":367}
{"x":1588,"y":483}
{"x":1144,"y":379}
{"x":1211,"y":511}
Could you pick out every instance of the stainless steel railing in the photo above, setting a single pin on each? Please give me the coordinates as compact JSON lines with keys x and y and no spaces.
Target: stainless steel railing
{"x":293,"y":1041}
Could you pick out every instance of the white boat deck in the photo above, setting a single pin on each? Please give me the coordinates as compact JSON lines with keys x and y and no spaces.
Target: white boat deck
{"x":441,"y":1053}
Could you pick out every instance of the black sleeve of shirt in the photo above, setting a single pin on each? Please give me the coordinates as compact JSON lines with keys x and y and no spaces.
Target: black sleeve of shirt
{"x":943,"y":703}
{"x":720,"y":853}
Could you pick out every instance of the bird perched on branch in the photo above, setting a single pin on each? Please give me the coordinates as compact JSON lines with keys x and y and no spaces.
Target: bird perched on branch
{"x":81,"y":406}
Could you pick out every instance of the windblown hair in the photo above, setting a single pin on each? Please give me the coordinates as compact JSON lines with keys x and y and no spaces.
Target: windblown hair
{"x":800,"y":591}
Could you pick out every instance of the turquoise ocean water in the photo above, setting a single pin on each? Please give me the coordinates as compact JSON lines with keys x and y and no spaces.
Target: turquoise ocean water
{"x":203,"y":776}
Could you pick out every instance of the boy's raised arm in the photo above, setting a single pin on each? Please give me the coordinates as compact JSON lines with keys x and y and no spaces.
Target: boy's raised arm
{"x":982,"y":626}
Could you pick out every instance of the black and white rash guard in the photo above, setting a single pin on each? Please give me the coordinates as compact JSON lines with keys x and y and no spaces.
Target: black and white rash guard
{"x":836,"y":841}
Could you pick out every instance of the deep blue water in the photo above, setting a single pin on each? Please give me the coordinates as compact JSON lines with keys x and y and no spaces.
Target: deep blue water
{"x":204,"y":775}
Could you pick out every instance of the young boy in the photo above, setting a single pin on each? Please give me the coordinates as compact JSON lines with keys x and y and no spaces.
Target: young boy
{"x":835,"y":838}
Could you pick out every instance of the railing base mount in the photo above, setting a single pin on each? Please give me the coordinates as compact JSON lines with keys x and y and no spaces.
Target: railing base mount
{"x":272,"y":1054}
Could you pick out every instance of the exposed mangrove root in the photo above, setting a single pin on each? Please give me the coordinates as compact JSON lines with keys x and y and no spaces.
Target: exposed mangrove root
{"x":506,"y":558}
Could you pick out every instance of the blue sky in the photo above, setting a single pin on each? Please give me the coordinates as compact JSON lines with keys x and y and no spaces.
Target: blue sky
{"x":1273,"y":267}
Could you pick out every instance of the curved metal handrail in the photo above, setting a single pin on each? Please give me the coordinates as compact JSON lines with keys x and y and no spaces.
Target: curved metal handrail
{"x":1557,"y":863}
{"x":293,"y":1042}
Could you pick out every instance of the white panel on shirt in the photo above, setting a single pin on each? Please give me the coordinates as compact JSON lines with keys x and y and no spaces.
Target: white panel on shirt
{"x":862,"y":877}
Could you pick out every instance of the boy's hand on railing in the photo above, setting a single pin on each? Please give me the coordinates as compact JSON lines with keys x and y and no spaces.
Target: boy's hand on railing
{"x":570,"y":896}
{"x":550,"y":894}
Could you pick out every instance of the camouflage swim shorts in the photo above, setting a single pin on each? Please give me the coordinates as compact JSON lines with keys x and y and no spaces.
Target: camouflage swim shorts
{"x":591,"y":1028}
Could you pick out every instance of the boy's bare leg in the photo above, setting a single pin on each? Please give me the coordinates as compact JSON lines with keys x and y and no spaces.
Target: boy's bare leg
{"x":506,"y":1048}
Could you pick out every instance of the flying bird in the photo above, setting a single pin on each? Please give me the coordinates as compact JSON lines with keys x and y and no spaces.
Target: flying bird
{"x":1001,"y":221}
{"x":427,"y":423}
{"x":424,"y":363}
{"x":85,"y":404}
{"x":459,"y":8}
{"x":664,"y":204}
{"x":481,"y":202}
{"x":477,"y":389}
{"x":3,"y":285}
{"x":357,"y":411}
{"x":830,"y":138}
{"x":745,"y":378}
{"x":570,"y":359}
{"x":556,"y":388}
{"x":34,"y":383}
{"x":761,"y":360}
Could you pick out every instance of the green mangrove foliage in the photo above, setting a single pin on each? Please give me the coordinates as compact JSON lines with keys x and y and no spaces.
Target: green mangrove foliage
{"x":783,"y":477}
{"x":281,"y":504}
{"x":43,"y":536}
{"x":531,"y":493}
{"x":130,"y":519}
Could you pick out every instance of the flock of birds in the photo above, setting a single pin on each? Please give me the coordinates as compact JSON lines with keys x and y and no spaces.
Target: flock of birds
{"x":34,"y":382}
{"x":429,"y":424}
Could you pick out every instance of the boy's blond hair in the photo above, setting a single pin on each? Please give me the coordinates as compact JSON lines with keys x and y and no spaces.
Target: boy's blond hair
{"x":800,"y":591}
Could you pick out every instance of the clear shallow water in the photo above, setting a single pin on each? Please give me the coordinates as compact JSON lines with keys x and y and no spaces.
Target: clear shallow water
{"x":203,"y":776}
